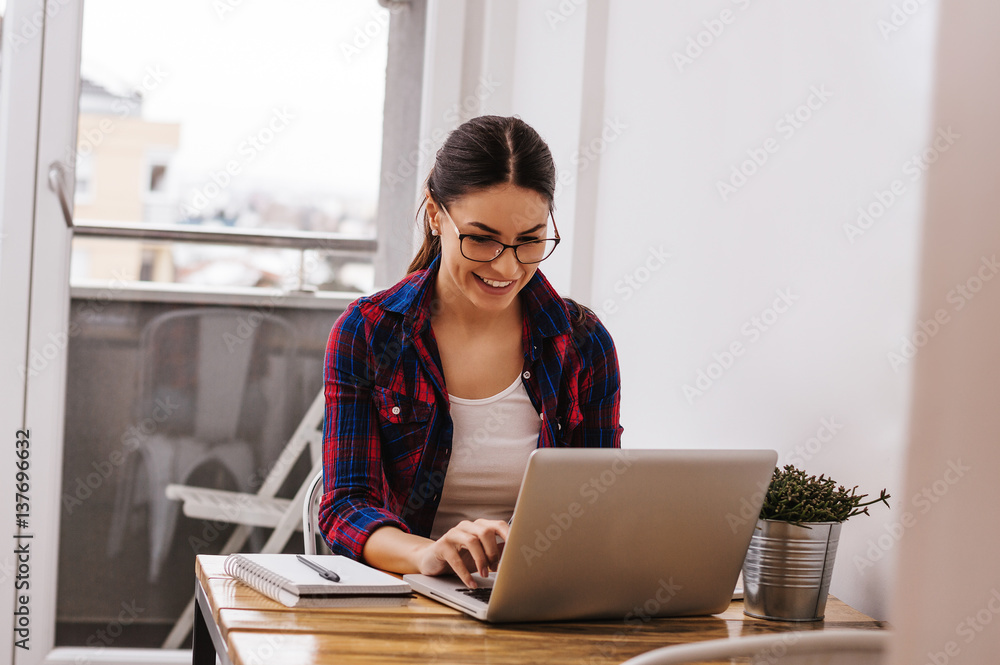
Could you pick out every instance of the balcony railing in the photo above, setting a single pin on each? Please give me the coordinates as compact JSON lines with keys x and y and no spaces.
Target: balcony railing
{"x":302,"y":296}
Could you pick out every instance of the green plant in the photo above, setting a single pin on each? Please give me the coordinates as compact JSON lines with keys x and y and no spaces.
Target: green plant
{"x":796,"y":497}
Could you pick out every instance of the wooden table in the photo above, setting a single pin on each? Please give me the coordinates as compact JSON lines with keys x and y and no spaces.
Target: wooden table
{"x":247,"y":628}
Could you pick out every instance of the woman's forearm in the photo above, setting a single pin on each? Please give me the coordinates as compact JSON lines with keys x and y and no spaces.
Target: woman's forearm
{"x":391,"y":548}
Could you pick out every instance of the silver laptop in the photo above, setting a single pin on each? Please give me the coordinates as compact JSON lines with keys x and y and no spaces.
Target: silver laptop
{"x":619,"y":534}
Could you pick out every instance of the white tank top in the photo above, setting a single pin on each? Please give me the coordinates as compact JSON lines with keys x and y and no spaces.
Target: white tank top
{"x":492,"y":440}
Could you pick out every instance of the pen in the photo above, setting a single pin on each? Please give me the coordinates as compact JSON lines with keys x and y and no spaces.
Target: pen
{"x":324,"y":573}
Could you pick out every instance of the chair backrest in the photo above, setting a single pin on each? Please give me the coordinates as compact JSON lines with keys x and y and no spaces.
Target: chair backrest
{"x":203,"y":360}
{"x":310,"y":517}
{"x":843,"y":647}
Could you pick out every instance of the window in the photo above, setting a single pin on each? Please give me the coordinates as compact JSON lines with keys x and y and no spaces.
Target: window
{"x":226,"y":130}
{"x":84,"y":178}
{"x":221,"y":135}
{"x":156,"y":182}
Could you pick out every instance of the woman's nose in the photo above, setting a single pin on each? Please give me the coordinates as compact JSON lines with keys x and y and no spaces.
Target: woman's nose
{"x":507,"y":264}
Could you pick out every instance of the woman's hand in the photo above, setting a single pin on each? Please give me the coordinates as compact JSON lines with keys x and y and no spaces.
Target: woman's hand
{"x":468,"y":547}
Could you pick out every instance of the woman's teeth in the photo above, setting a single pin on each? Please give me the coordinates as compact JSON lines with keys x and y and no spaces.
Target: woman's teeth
{"x":497,"y":285}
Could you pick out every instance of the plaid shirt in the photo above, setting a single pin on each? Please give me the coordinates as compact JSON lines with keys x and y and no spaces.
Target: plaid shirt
{"x":387,"y":431}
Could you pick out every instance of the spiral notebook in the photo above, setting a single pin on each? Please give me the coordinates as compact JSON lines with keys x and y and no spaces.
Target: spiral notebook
{"x":282,"y":577}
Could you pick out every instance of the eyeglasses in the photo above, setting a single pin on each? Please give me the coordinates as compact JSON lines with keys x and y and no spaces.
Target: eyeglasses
{"x":484,"y":249}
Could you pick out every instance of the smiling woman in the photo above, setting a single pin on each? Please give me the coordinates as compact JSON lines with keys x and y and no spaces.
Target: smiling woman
{"x":474,"y":356}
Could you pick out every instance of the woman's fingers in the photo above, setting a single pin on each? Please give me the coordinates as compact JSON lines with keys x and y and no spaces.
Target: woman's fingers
{"x":470,"y":539}
{"x":488,"y":531}
{"x":453,"y":557}
{"x":472,"y":546}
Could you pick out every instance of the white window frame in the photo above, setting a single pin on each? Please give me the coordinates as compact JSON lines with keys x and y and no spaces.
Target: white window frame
{"x":39,"y":91}
{"x":41,"y":45}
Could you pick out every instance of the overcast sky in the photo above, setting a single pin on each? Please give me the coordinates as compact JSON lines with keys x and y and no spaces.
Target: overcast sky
{"x":225,"y":69}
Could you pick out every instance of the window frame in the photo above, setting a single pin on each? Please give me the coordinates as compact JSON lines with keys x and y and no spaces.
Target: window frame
{"x":35,"y":253}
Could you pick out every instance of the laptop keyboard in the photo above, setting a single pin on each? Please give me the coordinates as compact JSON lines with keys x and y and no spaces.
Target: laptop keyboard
{"x":479,"y":594}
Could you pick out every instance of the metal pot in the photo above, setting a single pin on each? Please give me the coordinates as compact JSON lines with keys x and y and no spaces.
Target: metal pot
{"x":787,"y":571}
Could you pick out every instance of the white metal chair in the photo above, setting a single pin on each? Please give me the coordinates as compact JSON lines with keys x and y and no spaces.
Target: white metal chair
{"x":260,"y":509}
{"x":313,"y":541}
{"x":827,"y":647}
{"x":197,"y":385}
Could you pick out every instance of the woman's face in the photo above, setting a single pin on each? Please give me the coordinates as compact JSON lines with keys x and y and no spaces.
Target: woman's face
{"x":506,"y":213}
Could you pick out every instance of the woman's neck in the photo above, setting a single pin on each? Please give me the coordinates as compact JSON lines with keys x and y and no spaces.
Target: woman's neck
{"x":458,"y":313}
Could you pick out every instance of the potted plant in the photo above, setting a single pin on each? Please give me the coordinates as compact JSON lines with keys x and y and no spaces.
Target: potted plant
{"x":786,"y":574}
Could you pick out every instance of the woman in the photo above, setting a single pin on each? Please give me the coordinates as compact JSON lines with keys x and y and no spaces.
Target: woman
{"x":439,"y":388}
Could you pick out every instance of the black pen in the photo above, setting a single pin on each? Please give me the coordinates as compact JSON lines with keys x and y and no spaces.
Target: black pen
{"x":324,"y":573}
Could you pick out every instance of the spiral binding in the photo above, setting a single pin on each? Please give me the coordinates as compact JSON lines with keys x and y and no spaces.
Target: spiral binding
{"x":256,"y":576}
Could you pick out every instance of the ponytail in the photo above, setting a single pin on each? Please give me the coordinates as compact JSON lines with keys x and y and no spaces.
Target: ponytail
{"x":430,"y":248}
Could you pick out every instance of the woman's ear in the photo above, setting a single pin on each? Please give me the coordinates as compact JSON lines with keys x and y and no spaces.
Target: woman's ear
{"x":433,"y":212}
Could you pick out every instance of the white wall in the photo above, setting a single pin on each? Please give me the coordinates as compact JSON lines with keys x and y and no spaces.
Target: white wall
{"x":825,"y":359}
{"x":672,"y":131}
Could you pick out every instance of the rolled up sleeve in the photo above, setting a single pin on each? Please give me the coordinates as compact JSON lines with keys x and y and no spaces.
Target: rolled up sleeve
{"x":354,"y":502}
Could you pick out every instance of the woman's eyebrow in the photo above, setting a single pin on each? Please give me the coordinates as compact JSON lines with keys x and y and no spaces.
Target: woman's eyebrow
{"x":490,"y":229}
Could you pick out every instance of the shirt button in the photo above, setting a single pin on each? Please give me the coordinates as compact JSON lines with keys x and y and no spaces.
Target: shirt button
{"x":395,"y":410}
{"x":526,"y":375}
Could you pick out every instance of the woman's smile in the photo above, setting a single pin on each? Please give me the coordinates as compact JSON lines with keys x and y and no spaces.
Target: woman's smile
{"x":496,"y":286}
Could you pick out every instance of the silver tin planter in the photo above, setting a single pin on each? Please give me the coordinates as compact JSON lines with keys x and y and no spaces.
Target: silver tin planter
{"x":787,"y":571}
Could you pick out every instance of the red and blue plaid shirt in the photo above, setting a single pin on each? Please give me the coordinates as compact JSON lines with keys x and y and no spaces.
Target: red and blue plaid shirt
{"x":388,"y":430}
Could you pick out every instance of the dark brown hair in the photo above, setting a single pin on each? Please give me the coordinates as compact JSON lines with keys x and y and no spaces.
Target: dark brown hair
{"x":481,"y":153}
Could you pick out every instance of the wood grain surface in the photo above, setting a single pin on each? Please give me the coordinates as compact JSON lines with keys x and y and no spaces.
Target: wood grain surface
{"x":260,"y":631}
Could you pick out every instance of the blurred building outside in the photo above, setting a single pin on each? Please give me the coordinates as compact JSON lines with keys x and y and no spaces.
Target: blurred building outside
{"x":125,"y":174}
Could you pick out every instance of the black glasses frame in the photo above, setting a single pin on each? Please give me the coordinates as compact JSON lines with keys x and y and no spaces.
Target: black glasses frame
{"x":505,"y":246}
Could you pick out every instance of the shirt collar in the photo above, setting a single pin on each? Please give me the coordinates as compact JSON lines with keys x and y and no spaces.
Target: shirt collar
{"x":543,"y":307}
